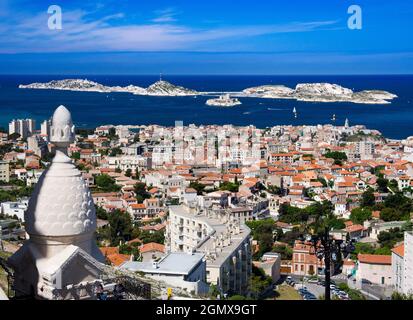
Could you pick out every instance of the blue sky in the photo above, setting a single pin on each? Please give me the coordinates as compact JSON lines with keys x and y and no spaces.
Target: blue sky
{"x":206,"y":37}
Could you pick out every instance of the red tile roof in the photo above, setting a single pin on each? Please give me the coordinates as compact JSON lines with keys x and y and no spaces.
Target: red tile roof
{"x":152,"y":246}
{"x":374,"y":259}
{"x":399,"y":250}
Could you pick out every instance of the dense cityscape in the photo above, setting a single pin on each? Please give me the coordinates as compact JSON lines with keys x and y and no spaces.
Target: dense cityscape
{"x":206,"y":212}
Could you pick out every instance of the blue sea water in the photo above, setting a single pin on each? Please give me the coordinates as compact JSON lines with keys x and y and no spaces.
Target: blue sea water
{"x":90,"y":109}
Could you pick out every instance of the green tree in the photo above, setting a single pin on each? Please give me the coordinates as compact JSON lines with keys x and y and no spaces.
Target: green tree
{"x":101,"y":213}
{"x":199,"y":187}
{"x":140,"y":191}
{"x":367,"y":198}
{"x":338,"y":157}
{"x":128,"y":172}
{"x":229,"y":186}
{"x":382,"y":184}
{"x":401,"y":296}
{"x":274,"y":190}
{"x":120,"y":225}
{"x":259,"y":282}
{"x":359,"y":215}
{"x":75,"y":155}
{"x":390,"y":214}
{"x":106,"y":183}
{"x":285,"y":251}
{"x":115,"y":151}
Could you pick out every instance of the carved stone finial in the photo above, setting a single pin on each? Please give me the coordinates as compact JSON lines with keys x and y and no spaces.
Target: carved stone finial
{"x":62,"y":128}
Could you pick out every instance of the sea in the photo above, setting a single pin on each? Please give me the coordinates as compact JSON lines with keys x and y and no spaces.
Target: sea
{"x":91,"y":109}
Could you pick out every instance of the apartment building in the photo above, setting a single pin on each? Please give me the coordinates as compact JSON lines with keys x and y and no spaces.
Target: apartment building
{"x":4,"y":171}
{"x":402,"y":265}
{"x":24,"y":127}
{"x":224,"y":240}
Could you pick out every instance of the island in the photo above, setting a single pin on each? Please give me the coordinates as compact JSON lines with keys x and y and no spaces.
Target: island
{"x":311,"y":92}
{"x":223,"y":101}
{"x":320,"y":92}
{"x":159,"y":88}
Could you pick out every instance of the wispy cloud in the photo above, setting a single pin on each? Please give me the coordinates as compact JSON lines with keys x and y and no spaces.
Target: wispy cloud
{"x":84,"y":32}
{"x":165,"y":15}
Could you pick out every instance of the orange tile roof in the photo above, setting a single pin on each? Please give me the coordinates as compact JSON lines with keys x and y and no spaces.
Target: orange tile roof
{"x":375,"y":214}
{"x":109,"y":250}
{"x":355,"y":228}
{"x":138,"y":206}
{"x":152,"y":246}
{"x":118,"y":258}
{"x":399,"y":250}
{"x":374,"y":259}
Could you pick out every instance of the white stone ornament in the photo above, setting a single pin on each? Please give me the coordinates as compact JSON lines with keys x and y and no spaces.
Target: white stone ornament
{"x":60,"y":221}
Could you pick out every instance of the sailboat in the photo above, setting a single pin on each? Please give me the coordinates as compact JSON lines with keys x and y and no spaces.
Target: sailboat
{"x":334,"y":117}
{"x":295,"y":112}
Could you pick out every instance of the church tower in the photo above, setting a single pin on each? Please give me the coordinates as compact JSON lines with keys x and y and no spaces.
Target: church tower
{"x":346,"y":124}
{"x":61,"y":254}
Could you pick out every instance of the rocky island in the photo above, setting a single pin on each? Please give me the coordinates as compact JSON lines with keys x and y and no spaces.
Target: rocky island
{"x":320,"y":92}
{"x":223,"y":101}
{"x":313,"y":92}
{"x":159,"y":88}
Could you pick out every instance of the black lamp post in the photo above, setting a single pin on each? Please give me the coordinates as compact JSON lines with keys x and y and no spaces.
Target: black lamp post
{"x":329,"y":249}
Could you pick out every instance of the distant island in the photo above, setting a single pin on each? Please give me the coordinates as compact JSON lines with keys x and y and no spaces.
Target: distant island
{"x":159,"y":88}
{"x":312,"y":92}
{"x":223,"y":101}
{"x":320,"y":92}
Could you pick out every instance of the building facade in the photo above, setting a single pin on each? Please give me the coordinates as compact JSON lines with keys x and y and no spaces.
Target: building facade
{"x":4,"y":171}
{"x":224,"y":240}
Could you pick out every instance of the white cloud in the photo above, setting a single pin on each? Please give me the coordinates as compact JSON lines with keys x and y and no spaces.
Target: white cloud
{"x":80,"y":32}
{"x":166,"y":15}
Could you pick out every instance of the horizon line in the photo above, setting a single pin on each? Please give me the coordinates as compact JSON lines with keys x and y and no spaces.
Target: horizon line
{"x":206,"y":74}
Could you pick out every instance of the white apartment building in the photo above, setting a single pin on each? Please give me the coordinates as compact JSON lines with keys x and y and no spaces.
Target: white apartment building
{"x":15,"y":208}
{"x":37,"y":145}
{"x":402,"y":265}
{"x":24,"y":127}
{"x":181,"y":270}
{"x":362,"y":150}
{"x":374,"y":268}
{"x":224,"y":240}
{"x":45,"y":128}
{"x":408,"y":262}
{"x":126,"y":162}
{"x":397,"y":264}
